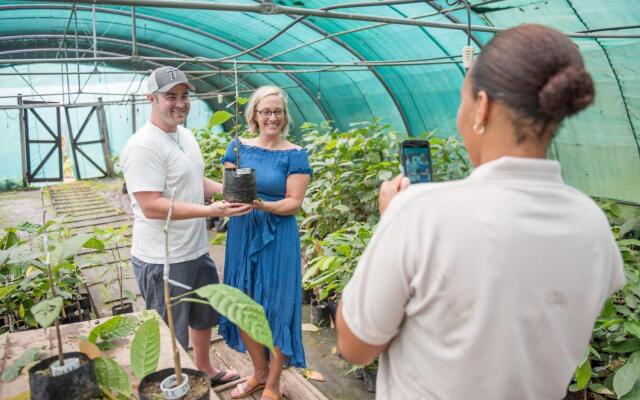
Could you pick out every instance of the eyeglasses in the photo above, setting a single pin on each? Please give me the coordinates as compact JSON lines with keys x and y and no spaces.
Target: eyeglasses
{"x":267,"y":113}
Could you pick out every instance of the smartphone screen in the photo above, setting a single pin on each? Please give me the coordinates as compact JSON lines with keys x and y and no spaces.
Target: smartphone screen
{"x":415,"y":159}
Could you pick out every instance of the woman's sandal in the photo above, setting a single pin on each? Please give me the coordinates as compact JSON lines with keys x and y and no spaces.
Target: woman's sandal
{"x":246,"y":388}
{"x":269,"y":394}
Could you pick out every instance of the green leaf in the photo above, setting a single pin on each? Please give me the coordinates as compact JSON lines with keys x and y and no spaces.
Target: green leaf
{"x":219,"y":118}
{"x":69,"y":248}
{"x":242,"y":100}
{"x":627,"y":376}
{"x":626,"y":346}
{"x":145,"y":348}
{"x":94,"y":243}
{"x":633,"y":327}
{"x":5,"y":291}
{"x":29,"y":227}
{"x":18,"y":254}
{"x":112,"y":376}
{"x":583,"y":374}
{"x":240,"y":309}
{"x":25,"y":359}
{"x":47,"y":311}
{"x":113,"y":328}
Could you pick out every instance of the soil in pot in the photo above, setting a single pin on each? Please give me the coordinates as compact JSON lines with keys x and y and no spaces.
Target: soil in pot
{"x":80,"y":383}
{"x":199,"y":385}
{"x":126,"y":308}
{"x":239,"y":185}
{"x":319,"y":313}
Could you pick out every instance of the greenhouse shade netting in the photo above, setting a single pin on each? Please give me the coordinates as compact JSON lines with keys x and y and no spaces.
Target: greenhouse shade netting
{"x":329,"y":69}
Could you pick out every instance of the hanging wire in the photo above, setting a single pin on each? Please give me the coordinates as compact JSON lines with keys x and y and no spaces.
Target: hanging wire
{"x":455,"y":3}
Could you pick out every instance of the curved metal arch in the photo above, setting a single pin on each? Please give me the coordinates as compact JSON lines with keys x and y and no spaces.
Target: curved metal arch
{"x":320,"y":107}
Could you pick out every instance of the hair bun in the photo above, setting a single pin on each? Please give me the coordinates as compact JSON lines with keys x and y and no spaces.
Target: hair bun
{"x":568,"y":91}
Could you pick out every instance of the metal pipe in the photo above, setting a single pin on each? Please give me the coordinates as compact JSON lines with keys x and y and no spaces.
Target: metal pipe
{"x":272,"y":9}
{"x":134,"y":41}
{"x":198,"y":60}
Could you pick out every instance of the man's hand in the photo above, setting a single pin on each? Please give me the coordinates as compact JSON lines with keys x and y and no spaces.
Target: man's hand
{"x":226,"y":209}
{"x":389,"y":189}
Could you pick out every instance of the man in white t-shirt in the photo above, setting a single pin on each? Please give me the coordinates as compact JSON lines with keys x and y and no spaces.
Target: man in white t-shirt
{"x":160,"y":157}
{"x":484,"y":288}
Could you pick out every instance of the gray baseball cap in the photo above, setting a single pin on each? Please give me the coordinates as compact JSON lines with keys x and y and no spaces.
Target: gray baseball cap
{"x":164,"y":78}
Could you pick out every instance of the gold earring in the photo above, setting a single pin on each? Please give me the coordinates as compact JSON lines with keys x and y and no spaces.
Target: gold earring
{"x":478,"y":128}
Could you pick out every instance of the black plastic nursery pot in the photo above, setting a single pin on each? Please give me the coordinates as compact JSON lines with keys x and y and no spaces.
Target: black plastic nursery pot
{"x":307,"y":296}
{"x":81,"y":383}
{"x":198,"y":382}
{"x":369,"y":376}
{"x":320,"y":313}
{"x":85,"y":301}
{"x":126,"y":308}
{"x":239,"y":185}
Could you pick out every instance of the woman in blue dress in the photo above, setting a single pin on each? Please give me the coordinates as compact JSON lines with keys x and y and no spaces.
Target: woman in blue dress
{"x":263,"y":247}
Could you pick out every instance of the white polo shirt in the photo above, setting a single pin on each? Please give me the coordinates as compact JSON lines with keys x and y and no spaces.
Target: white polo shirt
{"x":153,"y":161}
{"x":487,"y":288}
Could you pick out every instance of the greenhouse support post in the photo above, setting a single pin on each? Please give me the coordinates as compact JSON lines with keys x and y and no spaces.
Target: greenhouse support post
{"x":23,"y":143}
{"x":104,"y":133}
{"x":133,"y":114}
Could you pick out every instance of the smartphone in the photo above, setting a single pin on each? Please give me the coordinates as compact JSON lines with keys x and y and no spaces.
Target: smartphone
{"x":415,"y":160}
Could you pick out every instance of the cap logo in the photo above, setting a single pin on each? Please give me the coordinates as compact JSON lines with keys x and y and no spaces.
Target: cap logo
{"x":173,"y":74}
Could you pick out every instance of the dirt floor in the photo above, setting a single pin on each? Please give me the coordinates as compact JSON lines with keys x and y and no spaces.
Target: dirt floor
{"x":320,"y":346}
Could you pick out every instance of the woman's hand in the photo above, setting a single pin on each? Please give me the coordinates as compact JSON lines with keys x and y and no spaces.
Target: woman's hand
{"x":226,"y":209}
{"x":258,"y":204}
{"x":389,"y":190}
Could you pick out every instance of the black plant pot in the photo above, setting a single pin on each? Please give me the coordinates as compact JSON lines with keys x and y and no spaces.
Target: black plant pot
{"x":126,"y":308}
{"x":77,"y":317}
{"x":198,"y":381}
{"x":81,"y":383}
{"x":369,"y":375}
{"x":307,"y":296}
{"x":85,"y":301}
{"x":239,"y":185}
{"x":319,"y":313}
{"x":359,"y":373}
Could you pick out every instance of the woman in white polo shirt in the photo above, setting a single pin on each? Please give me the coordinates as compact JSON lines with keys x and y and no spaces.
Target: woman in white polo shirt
{"x":488,"y":287}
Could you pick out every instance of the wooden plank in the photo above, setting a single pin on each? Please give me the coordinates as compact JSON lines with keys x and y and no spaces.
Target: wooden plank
{"x":292,"y":384}
{"x":16,"y":343}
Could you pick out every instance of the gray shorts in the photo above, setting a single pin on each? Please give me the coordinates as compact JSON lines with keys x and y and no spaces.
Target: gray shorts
{"x":195,"y":273}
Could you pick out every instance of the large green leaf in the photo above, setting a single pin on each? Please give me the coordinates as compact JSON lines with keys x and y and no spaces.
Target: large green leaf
{"x":113,"y":328}
{"x":219,"y":118}
{"x":18,"y":254}
{"x":68,"y":248}
{"x":145,"y":348}
{"x":633,"y":327}
{"x":111,"y":376}
{"x":240,"y":309}
{"x":47,"y":311}
{"x":627,"y":376}
{"x":25,"y":359}
{"x":29,"y":227}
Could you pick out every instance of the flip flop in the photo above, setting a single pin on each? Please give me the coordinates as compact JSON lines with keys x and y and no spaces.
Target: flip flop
{"x":219,"y":378}
{"x":270,"y":395}
{"x":247,"y":387}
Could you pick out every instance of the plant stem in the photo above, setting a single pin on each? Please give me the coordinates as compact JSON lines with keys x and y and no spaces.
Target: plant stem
{"x":167,"y":297}
{"x":51,"y":284}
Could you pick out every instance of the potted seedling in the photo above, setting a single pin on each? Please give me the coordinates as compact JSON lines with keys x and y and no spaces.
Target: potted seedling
{"x":177,"y":382}
{"x":239,"y":184}
{"x":65,"y":375}
{"x":113,"y":236}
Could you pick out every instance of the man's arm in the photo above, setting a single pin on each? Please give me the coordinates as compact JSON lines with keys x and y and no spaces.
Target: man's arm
{"x":352,"y":348}
{"x":155,"y":206}
{"x":211,"y":187}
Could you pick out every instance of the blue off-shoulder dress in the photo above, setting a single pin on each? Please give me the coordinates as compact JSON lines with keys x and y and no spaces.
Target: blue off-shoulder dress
{"x":262,"y":257}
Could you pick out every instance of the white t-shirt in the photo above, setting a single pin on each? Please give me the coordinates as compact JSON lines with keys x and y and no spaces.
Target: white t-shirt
{"x":486,"y":288}
{"x":153,"y":161}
